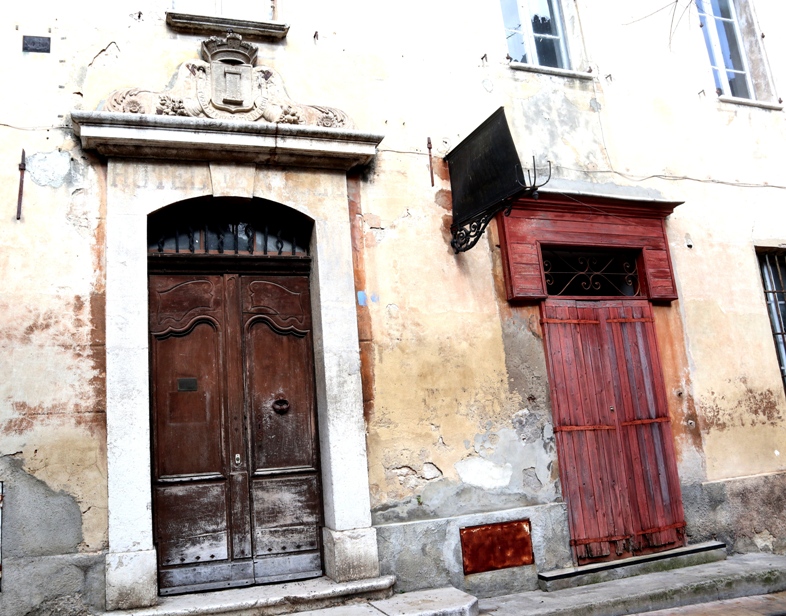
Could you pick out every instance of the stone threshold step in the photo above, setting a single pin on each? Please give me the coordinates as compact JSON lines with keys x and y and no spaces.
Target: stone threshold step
{"x":688,"y":556}
{"x":738,"y":576}
{"x":434,"y":602}
{"x":268,"y":600}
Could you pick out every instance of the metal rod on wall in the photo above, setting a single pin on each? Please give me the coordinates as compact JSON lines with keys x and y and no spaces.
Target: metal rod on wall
{"x":21,"y":186}
{"x":430,"y":165}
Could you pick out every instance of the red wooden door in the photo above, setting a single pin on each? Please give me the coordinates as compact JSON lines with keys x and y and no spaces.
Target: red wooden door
{"x":235,"y":472}
{"x":614,"y":442}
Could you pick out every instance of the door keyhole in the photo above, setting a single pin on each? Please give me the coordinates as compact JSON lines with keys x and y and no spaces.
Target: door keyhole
{"x":611,"y":408}
{"x":237,"y":459}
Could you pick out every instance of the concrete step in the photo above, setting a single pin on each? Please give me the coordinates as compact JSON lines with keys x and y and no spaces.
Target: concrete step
{"x":688,"y":556}
{"x":738,"y":576}
{"x":318,"y":597}
{"x":314,"y":594}
{"x":435,"y":602}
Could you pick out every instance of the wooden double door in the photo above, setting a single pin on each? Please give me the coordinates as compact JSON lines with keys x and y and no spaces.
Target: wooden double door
{"x":614,"y":441}
{"x":236,"y":488}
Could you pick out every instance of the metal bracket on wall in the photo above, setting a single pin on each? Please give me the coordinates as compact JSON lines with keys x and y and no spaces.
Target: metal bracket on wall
{"x":466,"y":235}
{"x":22,"y":168}
{"x":485,"y":178}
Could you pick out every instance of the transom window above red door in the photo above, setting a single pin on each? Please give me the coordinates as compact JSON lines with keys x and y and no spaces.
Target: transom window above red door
{"x":547,"y":242}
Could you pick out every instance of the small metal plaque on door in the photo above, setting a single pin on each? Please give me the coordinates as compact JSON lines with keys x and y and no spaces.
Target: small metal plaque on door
{"x":187,"y":384}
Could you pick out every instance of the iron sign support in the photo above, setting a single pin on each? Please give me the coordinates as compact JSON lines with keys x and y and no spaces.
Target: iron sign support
{"x":486,"y":177}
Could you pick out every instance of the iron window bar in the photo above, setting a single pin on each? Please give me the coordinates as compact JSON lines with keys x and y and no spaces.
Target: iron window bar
{"x":773,"y":273}
{"x":591,"y":273}
{"x":230,"y":230}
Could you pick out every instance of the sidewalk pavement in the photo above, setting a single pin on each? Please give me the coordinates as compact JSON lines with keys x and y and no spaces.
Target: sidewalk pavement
{"x":761,"y":605}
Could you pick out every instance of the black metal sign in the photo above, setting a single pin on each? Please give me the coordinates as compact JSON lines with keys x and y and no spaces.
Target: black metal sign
{"x":36,"y":44}
{"x":485,"y":175}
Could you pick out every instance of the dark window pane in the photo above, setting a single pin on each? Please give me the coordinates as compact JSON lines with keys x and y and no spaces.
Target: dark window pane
{"x":544,"y":19}
{"x":738,"y":85}
{"x":543,"y":25}
{"x":722,"y":8}
{"x":732,"y":55}
{"x":228,"y":226}
{"x":549,"y":52}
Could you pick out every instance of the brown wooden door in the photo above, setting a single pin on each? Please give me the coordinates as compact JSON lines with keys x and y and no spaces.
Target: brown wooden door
{"x":614,"y":441}
{"x":235,"y":467}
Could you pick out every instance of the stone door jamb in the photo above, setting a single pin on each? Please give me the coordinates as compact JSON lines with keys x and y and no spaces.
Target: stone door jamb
{"x":136,"y":187}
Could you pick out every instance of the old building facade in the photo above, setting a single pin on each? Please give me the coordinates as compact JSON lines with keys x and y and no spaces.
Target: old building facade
{"x":239,"y":344}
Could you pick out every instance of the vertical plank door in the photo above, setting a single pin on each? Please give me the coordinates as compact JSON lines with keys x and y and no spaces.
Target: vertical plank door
{"x":644,"y":427}
{"x":614,"y":442}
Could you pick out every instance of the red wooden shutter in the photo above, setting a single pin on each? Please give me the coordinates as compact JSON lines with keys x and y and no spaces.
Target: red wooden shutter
{"x":614,"y":443}
{"x":645,"y":429}
{"x":589,"y":452}
{"x":660,"y":279}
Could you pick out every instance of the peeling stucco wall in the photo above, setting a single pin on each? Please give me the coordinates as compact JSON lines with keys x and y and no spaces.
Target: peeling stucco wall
{"x":455,"y":387}
{"x":52,"y":337}
{"x":52,"y":400}
{"x":44,"y":561}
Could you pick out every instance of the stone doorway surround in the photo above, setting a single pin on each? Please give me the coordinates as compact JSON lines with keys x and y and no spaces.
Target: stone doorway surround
{"x":154,"y":161}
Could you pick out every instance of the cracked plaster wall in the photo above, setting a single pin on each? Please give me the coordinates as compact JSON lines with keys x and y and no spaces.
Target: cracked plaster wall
{"x":45,"y":567}
{"x":461,"y":417}
{"x":52,"y":426}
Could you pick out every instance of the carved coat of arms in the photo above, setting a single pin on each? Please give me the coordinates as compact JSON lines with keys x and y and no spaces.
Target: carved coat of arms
{"x":226,"y":85}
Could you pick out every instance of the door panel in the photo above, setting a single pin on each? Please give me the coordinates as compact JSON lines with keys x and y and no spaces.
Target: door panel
{"x":282,"y":399}
{"x":585,"y":431}
{"x":645,"y":430}
{"x":232,"y":390}
{"x":198,"y":532}
{"x":285,"y":486}
{"x":285,"y":508}
{"x":187,"y":389}
{"x":613,"y":438}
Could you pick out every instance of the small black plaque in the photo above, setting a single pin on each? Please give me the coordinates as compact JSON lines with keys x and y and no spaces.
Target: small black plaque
{"x":188,"y":384}
{"x":36,"y":44}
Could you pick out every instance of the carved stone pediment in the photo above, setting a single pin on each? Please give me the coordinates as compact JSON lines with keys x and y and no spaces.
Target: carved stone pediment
{"x":226,"y":85}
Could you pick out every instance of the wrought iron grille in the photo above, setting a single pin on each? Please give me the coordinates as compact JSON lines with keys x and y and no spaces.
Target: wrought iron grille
{"x":229,"y":227}
{"x":591,"y":273}
{"x":773,"y":273}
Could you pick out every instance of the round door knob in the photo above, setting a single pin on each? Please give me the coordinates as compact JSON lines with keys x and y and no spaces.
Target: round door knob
{"x":281,"y":406}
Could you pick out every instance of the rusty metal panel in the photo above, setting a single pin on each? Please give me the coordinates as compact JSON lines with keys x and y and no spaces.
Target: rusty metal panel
{"x":496,"y":546}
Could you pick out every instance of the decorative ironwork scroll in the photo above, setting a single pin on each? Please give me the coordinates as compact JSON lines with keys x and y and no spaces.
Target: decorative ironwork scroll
{"x":485,"y":177}
{"x":591,"y":273}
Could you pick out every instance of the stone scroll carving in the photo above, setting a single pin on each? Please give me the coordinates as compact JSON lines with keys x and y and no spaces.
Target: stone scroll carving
{"x":225,"y":85}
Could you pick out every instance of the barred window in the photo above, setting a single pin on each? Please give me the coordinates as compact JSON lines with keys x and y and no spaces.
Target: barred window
{"x":773,"y":273}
